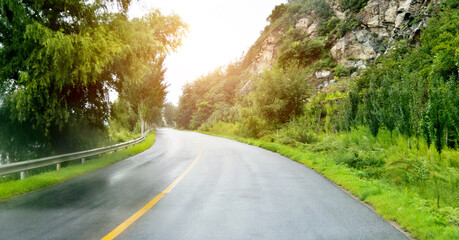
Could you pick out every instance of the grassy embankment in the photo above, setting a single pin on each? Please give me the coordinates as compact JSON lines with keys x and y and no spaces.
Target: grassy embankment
{"x":414,"y":212}
{"x":16,"y":187}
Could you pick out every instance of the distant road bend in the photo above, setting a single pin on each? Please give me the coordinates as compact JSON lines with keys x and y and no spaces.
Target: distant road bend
{"x":194,"y":186}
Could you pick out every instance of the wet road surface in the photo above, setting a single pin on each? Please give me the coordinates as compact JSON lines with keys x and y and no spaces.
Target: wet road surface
{"x":234,"y":191}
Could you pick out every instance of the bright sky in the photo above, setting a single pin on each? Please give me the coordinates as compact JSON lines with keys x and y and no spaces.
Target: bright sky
{"x":220,"y":31}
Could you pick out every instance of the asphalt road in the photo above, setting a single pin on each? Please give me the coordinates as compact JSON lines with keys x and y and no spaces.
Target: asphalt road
{"x":234,"y":191}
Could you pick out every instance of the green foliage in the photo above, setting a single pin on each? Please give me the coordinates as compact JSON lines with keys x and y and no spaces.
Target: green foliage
{"x":324,"y":63}
{"x":146,"y":97}
{"x":341,"y":71}
{"x":279,"y":104}
{"x":277,"y":12}
{"x":123,"y":115}
{"x":329,"y":27}
{"x":58,"y":60}
{"x":170,"y":114}
{"x":225,"y":128}
{"x":335,"y":28}
{"x":296,"y":130}
{"x":298,"y":50}
{"x":414,"y":90}
{"x":208,"y":98}
{"x":252,"y":126}
{"x":352,"y":5}
{"x":386,"y":157}
{"x":124,"y":122}
{"x":438,"y":112}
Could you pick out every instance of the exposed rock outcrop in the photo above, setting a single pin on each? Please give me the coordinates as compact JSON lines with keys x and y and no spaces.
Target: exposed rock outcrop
{"x":308,"y":25}
{"x":381,"y":23}
{"x":355,"y":45}
{"x":266,"y":56}
{"x":322,"y":74}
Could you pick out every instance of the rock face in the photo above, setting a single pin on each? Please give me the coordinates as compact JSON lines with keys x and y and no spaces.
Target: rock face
{"x":309,"y":25}
{"x":355,"y":45}
{"x":381,"y":23}
{"x":266,"y":56}
{"x":390,"y":18}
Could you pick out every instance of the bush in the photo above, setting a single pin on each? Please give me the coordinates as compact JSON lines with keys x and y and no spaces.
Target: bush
{"x":324,"y":63}
{"x":298,"y":132}
{"x":329,"y":27}
{"x":279,"y":96}
{"x":352,"y":5}
{"x":341,"y":71}
{"x":223,"y":128}
{"x":297,"y":49}
{"x":358,"y":159}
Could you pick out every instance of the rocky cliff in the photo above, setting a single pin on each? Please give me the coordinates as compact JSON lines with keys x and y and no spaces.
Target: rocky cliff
{"x":380,"y":24}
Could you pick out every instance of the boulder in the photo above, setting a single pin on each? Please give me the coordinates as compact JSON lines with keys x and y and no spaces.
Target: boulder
{"x":322,"y":74}
{"x":355,"y":45}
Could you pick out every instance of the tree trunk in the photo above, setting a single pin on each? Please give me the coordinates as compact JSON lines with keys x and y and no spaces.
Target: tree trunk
{"x":142,"y":120}
{"x":142,"y":129}
{"x":446,"y":138}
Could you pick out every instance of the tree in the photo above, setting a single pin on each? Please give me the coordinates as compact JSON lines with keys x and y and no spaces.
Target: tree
{"x":280,"y":94}
{"x":387,"y":102}
{"x":201,"y":97}
{"x":58,"y":60}
{"x":187,"y":105}
{"x":147,"y":96}
{"x":372,"y":113}
{"x":437,"y":112}
{"x":277,"y":12}
{"x":169,"y":113}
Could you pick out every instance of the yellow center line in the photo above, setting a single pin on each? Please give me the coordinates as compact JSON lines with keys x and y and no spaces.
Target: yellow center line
{"x":123,"y":226}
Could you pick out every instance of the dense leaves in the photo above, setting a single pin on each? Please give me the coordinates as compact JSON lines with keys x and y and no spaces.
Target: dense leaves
{"x":280,"y":94}
{"x":209,"y":97}
{"x":58,"y":60}
{"x":352,"y":5}
{"x":415,"y":90}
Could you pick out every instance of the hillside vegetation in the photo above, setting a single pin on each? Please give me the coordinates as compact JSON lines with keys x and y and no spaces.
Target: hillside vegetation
{"x":393,"y":122}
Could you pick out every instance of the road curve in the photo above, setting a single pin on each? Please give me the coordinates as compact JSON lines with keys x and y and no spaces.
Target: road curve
{"x":234,"y":191}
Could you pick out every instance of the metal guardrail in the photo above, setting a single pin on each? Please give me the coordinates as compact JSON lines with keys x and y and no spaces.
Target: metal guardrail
{"x":22,"y":166}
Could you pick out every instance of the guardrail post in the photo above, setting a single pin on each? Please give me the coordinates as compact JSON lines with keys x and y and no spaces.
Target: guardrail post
{"x":58,"y":166}
{"x":23,"y":175}
{"x":82,"y":161}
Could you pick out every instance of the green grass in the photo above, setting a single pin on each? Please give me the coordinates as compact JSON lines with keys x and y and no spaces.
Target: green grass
{"x":16,"y":187}
{"x":418,"y":216}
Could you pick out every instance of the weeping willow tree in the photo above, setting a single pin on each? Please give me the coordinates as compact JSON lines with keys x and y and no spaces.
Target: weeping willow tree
{"x":58,"y":60}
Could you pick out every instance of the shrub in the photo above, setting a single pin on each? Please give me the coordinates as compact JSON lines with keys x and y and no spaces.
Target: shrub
{"x":352,"y":5}
{"x":341,"y":71}
{"x":358,"y":159}
{"x":298,"y":50}
{"x":298,"y":132}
